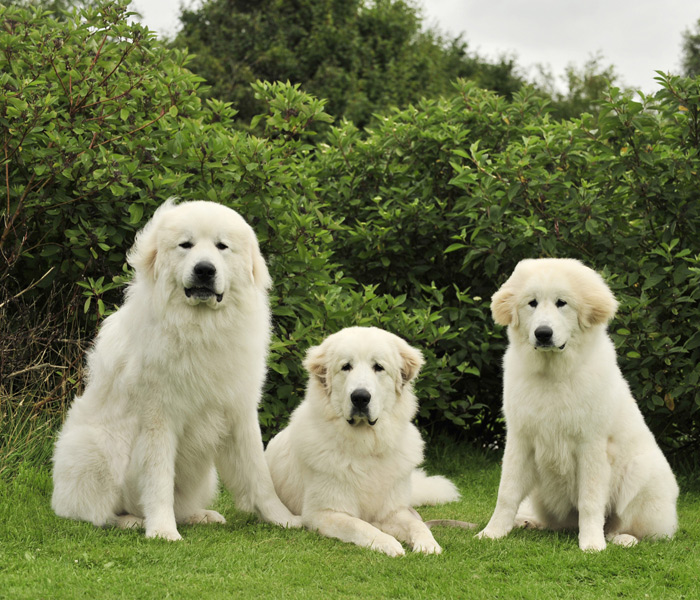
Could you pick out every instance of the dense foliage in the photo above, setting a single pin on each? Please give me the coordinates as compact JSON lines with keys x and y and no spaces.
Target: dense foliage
{"x":456,"y":191}
{"x":360,"y":56}
{"x":410,"y":225}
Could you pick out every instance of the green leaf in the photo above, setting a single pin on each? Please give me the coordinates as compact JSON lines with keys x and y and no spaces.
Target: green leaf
{"x":135,"y":213}
{"x":453,"y":247}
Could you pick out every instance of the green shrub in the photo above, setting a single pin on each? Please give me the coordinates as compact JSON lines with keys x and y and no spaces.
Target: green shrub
{"x":457,"y":191}
{"x":100,"y":124}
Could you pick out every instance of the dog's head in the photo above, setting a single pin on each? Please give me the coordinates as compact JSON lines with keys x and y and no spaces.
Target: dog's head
{"x":198,"y":253}
{"x":546,"y":302}
{"x":364,"y":373}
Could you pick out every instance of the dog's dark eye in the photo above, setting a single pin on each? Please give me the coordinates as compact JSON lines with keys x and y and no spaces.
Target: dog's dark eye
{"x":346,"y":367}
{"x":378,"y":368}
{"x":533,"y":303}
{"x":560,"y":303}
{"x":186,"y":245}
{"x":221,"y":246}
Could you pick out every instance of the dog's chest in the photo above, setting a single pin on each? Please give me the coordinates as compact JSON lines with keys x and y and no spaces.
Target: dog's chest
{"x":557,"y":420}
{"x":555,"y":452}
{"x":554,"y":407}
{"x":372,"y":482}
{"x":376,"y":486}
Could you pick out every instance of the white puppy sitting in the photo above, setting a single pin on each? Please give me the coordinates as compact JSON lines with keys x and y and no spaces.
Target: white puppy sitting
{"x":175,"y":376}
{"x":347,"y":460}
{"x":576,"y":445}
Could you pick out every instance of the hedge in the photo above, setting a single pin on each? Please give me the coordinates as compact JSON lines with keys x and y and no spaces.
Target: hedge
{"x":409,"y":225}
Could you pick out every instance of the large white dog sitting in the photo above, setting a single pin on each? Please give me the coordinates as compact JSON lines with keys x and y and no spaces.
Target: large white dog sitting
{"x":347,"y":460}
{"x":175,"y":377}
{"x":576,"y":445}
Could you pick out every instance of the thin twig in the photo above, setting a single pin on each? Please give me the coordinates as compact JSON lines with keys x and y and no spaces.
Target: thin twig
{"x":36,"y":368}
{"x":32,"y":285}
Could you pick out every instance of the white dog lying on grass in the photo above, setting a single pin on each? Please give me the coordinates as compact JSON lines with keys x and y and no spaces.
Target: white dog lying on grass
{"x":577,"y":445}
{"x":347,"y":462}
{"x":175,"y":377}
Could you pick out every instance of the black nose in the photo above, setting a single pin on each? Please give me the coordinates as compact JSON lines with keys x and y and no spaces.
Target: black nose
{"x":204,"y":271}
{"x":360,"y":398}
{"x":544,"y":334}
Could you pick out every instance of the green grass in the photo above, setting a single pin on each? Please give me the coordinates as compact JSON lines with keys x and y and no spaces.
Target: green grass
{"x":42,"y":556}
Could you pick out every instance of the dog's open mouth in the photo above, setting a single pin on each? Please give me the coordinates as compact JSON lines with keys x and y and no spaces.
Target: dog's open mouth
{"x":202,"y":293}
{"x":357,"y":420}
{"x":549,"y":346}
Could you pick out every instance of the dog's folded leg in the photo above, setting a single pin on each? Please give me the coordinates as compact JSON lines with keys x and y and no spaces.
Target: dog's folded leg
{"x":407,"y":526}
{"x":353,"y":530}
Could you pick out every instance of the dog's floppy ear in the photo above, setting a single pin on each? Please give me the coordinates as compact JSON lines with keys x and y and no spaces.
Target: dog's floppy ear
{"x":260,"y":273}
{"x":597,"y":305}
{"x":411,"y":361}
{"x":503,"y":306}
{"x":143,"y":254}
{"x":315,"y":363}
{"x":504,"y":303}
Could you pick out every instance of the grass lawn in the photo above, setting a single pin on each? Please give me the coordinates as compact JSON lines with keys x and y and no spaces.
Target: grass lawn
{"x":42,"y":556}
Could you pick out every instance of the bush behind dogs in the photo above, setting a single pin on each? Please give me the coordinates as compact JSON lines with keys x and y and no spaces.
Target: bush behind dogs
{"x":410,"y":225}
{"x":456,"y":191}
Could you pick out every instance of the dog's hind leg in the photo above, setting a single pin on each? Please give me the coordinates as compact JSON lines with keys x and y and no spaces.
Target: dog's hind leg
{"x":650,"y":515}
{"x":647,"y":506}
{"x":85,"y":481}
{"x":194,"y":491}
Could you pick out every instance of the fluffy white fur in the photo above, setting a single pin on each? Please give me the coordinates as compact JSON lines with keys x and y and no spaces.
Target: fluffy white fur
{"x":348,"y":468}
{"x":577,"y":446}
{"x":175,"y":377}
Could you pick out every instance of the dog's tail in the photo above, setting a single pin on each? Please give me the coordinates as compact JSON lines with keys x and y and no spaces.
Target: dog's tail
{"x":435,"y":490}
{"x":431,"y":490}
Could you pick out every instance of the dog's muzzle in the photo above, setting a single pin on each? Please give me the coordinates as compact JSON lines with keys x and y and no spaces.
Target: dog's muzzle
{"x":204,"y":278}
{"x":544,"y":338}
{"x":360,"y":407}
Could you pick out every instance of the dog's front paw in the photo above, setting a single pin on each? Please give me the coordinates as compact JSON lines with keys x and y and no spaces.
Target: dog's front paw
{"x":291,"y":522}
{"x":623,"y":539}
{"x":492,"y":533}
{"x":388,"y":545}
{"x":427,"y":547}
{"x":277,"y":513}
{"x":170,"y":535}
{"x":591,"y":543}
